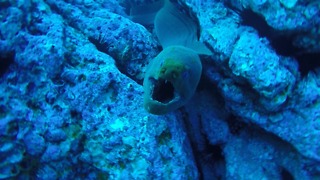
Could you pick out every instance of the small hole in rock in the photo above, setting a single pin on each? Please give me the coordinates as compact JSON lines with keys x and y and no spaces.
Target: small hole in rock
{"x":285,"y":174}
{"x":5,"y":61}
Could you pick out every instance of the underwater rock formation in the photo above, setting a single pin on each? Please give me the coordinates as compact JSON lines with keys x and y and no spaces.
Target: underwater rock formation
{"x":71,"y":104}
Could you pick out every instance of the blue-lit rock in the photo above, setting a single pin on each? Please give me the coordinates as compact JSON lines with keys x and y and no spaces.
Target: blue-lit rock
{"x":71,"y":104}
{"x":35,"y":143}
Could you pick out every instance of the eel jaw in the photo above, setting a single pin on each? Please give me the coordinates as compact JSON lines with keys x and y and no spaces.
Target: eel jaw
{"x":163,"y":91}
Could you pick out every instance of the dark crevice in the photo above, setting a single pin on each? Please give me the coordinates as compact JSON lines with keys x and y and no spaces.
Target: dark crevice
{"x":103,"y":47}
{"x":5,"y":61}
{"x":29,"y":165}
{"x":235,"y":125}
{"x":125,"y":70}
{"x":100,"y":46}
{"x":163,"y":91}
{"x":285,"y":174}
{"x":205,"y":83}
{"x":214,"y":151}
{"x":211,"y":159}
{"x":308,"y":62}
{"x":280,"y":41}
{"x":193,"y":140}
{"x":74,"y":114}
{"x":5,"y":4}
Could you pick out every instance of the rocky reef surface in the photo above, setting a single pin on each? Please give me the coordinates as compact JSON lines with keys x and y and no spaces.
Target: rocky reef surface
{"x":71,"y":104}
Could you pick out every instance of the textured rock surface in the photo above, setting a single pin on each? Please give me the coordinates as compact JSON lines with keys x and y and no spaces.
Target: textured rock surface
{"x":72,"y":112}
{"x":71,"y":102}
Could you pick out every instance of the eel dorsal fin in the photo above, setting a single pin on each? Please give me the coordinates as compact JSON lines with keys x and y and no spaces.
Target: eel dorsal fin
{"x":174,"y":27}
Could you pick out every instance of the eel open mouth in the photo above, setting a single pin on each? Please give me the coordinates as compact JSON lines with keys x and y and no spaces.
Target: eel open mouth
{"x":162,"y":91}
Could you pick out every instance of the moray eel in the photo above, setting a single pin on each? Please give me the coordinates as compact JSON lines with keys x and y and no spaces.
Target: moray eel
{"x":174,"y":27}
{"x":145,"y":13}
{"x":173,"y":75}
{"x":171,"y":79}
